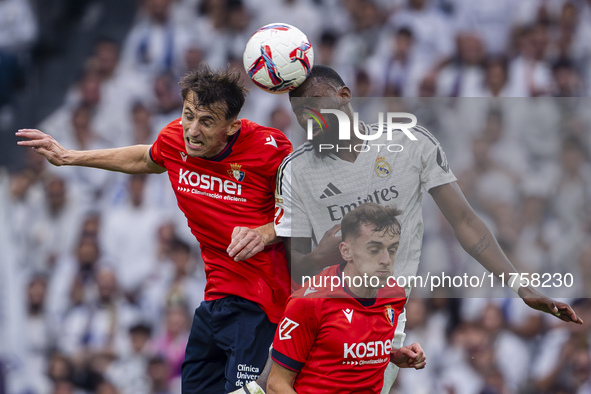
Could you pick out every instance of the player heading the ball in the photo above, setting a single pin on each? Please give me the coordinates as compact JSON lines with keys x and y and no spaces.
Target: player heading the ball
{"x":222,"y":170}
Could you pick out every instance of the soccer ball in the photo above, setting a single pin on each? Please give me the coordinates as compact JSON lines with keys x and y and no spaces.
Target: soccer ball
{"x":278,"y":57}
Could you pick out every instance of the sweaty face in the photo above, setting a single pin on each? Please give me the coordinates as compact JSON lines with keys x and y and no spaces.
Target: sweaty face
{"x":206,"y":130}
{"x":372,"y":253}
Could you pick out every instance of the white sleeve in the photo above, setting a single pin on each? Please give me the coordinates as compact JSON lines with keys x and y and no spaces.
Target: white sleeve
{"x":288,"y":205}
{"x":435,"y":168}
{"x":283,"y":199}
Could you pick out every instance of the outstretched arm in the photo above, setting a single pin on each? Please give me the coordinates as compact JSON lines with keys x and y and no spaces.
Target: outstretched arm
{"x":130,"y":160}
{"x":476,"y":239}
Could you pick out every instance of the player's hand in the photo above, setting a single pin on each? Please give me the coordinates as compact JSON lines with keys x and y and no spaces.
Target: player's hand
{"x":246,"y":242}
{"x":43,"y":144}
{"x":536,"y":300}
{"x":411,"y":356}
{"x":327,"y":252}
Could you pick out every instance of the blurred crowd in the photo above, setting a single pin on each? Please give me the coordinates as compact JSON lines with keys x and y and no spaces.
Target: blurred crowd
{"x":99,"y":273}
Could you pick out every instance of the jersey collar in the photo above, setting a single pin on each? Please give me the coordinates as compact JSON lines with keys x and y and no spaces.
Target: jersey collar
{"x":227,"y":149}
{"x":362,"y":301}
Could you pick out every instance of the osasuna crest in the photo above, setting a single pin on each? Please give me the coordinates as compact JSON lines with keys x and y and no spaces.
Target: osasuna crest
{"x":382,"y":168}
{"x":236,"y":173}
{"x":390,"y":314}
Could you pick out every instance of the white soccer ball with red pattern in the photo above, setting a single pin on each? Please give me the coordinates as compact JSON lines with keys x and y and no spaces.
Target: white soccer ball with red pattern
{"x":278,"y":57}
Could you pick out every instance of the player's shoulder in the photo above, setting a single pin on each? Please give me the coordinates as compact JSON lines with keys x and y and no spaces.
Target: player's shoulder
{"x":312,"y":292}
{"x":422,"y":136}
{"x":296,"y":159}
{"x":308,"y":299}
{"x":301,"y":156}
{"x":255,"y":133}
{"x":173,"y":127}
{"x":319,"y":287}
{"x":392,"y":294}
{"x":172,"y":134}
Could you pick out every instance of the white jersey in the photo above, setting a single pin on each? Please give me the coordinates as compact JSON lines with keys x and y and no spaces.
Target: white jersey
{"x":314,"y":193}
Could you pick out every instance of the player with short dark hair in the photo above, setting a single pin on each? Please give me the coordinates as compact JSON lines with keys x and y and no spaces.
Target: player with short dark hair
{"x":340,"y":340}
{"x":325,"y":75}
{"x":217,"y":88}
{"x":222,"y":170}
{"x":382,"y":220}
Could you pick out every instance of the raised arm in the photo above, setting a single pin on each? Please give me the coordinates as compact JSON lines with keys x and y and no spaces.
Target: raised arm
{"x":477,"y":239}
{"x":130,"y":160}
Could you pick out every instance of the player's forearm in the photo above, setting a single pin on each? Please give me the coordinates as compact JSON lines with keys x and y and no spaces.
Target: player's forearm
{"x":477,"y":239}
{"x":268,"y":234}
{"x":280,"y":380}
{"x":130,"y":160}
{"x":474,"y":236}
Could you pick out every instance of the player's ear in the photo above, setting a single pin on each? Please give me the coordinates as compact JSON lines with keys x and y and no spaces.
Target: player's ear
{"x":344,"y":92}
{"x":345,"y":251}
{"x":234,"y":127}
{"x":344,"y":95}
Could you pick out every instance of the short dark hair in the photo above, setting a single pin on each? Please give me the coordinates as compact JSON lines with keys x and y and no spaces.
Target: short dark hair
{"x":214,"y":87}
{"x":323,"y":74}
{"x":381,"y":218}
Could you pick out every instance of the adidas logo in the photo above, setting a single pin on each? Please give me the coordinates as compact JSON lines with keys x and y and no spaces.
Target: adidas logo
{"x":330,"y":191}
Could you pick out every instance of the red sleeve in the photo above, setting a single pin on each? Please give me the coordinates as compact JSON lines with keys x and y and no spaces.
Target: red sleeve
{"x":156,"y":152}
{"x":296,"y":333}
{"x":166,"y":136}
{"x":270,"y":145}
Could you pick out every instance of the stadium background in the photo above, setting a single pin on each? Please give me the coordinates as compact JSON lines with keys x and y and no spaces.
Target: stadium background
{"x":98,"y":272}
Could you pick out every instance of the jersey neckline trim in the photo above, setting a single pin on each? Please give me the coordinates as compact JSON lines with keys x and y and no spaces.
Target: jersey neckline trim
{"x":227,"y":149}
{"x":363,"y":301}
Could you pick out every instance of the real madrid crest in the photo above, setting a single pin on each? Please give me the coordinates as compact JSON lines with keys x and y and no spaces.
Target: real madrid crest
{"x":382,"y":168}
{"x":390,"y":314}
{"x":236,"y":172}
